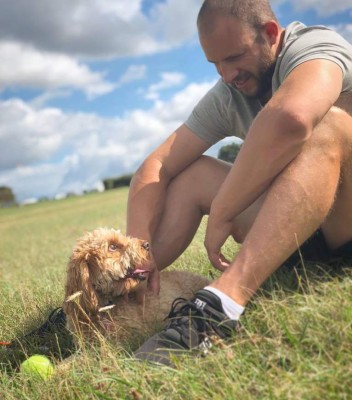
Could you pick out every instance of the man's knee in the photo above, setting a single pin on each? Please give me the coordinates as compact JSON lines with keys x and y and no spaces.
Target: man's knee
{"x":191,"y":172}
{"x":333,"y":135}
{"x":337,"y":123}
{"x":184,"y":185}
{"x":199,"y":182}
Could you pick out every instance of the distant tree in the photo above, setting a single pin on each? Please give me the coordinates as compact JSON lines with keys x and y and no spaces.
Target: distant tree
{"x":7,"y":198}
{"x":90,"y":191}
{"x":112,"y":183}
{"x":229,"y":152}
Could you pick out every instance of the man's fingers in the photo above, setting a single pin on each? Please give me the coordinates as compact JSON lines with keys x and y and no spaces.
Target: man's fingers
{"x":219,"y":261}
{"x":225,"y":263}
{"x":154,"y":282}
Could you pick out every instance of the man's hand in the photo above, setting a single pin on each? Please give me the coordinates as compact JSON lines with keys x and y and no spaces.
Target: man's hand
{"x":216,"y":235}
{"x":153,"y":284}
{"x":154,"y":281}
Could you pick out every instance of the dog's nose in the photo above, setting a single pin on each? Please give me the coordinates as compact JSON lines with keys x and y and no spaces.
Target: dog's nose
{"x":145,"y":246}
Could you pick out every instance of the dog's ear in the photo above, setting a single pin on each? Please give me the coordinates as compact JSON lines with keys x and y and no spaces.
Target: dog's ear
{"x":81,"y":299}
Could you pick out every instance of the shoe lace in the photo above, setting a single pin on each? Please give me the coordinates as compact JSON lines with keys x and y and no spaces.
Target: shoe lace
{"x":185,"y":312}
{"x":206,"y":321}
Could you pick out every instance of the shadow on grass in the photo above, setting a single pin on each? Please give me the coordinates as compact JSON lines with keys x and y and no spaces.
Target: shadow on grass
{"x":300,"y":276}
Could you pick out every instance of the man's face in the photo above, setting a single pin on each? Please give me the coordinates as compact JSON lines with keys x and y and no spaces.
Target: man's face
{"x":242,"y":57}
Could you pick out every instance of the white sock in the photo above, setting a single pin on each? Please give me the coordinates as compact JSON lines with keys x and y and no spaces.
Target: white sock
{"x":232,"y":309}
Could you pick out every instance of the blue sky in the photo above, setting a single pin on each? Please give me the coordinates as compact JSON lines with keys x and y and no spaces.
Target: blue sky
{"x":89,"y":87}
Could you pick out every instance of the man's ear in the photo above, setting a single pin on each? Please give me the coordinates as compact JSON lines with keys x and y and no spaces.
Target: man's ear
{"x":271,"y":31}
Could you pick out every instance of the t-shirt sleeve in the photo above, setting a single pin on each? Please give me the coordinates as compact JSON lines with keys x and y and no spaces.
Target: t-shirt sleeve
{"x":321,"y":43}
{"x":208,"y":119}
{"x":222,"y":112}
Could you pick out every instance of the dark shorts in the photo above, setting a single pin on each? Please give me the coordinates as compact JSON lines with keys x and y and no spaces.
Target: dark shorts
{"x":315,"y":249}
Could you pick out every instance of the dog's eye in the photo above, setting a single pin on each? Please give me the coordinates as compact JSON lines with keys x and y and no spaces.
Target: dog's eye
{"x":146,"y":246}
{"x":113,"y":247}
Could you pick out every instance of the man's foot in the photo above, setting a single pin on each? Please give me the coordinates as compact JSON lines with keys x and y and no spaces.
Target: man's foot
{"x":192,"y":325}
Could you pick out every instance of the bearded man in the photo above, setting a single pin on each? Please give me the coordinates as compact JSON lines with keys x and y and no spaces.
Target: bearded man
{"x":288,"y":93}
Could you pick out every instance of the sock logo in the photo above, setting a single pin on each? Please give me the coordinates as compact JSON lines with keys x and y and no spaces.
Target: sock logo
{"x":200,"y":304}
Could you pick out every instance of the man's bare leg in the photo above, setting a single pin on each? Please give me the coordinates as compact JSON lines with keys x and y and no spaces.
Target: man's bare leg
{"x":303,"y":197}
{"x":189,"y":198}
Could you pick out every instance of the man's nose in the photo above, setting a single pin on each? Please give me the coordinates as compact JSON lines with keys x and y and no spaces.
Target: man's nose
{"x":228,"y":73}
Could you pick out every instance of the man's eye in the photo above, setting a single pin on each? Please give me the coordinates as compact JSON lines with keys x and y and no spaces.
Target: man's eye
{"x":113,"y":247}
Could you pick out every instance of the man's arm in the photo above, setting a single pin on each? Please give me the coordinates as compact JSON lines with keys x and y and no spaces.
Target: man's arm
{"x":149,"y":184}
{"x":276,"y":137}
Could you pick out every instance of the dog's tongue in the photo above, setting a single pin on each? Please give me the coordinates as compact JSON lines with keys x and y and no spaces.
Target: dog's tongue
{"x":140,"y":274}
{"x":140,"y":271}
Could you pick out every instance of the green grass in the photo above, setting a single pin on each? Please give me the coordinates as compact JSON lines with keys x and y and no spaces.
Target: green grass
{"x":296,"y":341}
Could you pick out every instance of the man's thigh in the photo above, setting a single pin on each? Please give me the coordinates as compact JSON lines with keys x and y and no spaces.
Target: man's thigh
{"x":203,"y":180}
{"x":191,"y":194}
{"x":337,"y":227}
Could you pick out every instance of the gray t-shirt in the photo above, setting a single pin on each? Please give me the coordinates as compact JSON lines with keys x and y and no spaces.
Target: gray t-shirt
{"x":224,"y":111}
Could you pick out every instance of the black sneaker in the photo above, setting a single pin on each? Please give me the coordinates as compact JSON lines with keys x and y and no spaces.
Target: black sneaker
{"x":192,"y":325}
{"x":54,"y":324}
{"x":51,"y":338}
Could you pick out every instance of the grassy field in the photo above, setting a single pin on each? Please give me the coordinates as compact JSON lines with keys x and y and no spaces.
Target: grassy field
{"x":296,"y":341}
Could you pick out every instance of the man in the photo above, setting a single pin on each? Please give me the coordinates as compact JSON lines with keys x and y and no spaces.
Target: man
{"x":290,"y":91}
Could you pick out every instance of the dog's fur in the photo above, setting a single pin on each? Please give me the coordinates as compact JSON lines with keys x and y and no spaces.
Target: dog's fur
{"x":103,"y":274}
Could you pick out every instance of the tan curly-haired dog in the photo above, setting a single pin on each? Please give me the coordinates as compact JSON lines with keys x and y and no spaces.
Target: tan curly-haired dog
{"x":103,"y":273}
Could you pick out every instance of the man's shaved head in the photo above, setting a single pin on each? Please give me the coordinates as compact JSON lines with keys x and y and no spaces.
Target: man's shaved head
{"x":254,"y":13}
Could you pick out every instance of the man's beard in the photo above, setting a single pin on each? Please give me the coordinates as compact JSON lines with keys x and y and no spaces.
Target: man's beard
{"x":266,"y":68}
{"x":265,"y":77}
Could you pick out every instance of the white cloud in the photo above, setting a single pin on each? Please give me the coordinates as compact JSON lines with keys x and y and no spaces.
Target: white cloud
{"x":27,"y":135}
{"x":45,"y":97}
{"x":322,"y":7}
{"x":93,"y":147}
{"x":181,"y":104}
{"x":133,"y":73}
{"x":97,"y":29}
{"x":168,"y":80}
{"x":175,"y":20}
{"x":24,"y":66}
{"x":49,"y":48}
{"x":124,"y":9}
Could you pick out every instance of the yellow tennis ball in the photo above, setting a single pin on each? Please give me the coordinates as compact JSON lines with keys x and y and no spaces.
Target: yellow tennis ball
{"x":37,"y":366}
